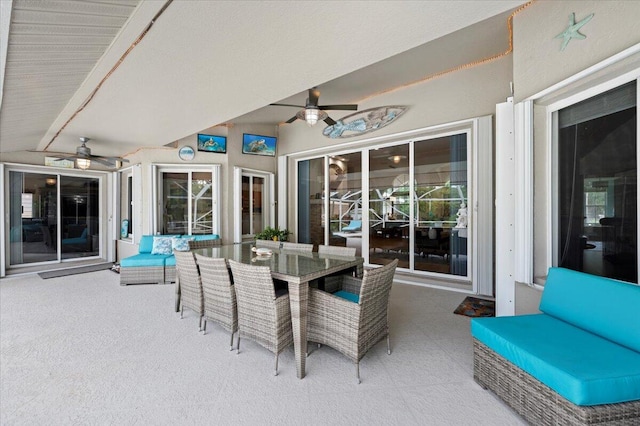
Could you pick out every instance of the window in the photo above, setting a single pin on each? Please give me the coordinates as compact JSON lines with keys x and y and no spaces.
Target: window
{"x":130,"y":210}
{"x":597,"y":193}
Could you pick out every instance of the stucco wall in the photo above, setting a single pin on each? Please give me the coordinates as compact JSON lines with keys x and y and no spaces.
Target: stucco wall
{"x":537,"y":60}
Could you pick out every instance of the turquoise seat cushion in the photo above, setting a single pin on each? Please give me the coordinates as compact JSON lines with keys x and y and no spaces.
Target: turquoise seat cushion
{"x":146,"y":244}
{"x":170,"y":261}
{"x":600,"y":305}
{"x":580,"y":366}
{"x":206,"y":237}
{"x":144,"y":260}
{"x":351,"y":297}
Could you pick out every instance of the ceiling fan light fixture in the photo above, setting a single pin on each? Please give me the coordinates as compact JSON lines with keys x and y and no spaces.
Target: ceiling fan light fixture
{"x":397,"y":158}
{"x":83,"y":163}
{"x":311,"y":115}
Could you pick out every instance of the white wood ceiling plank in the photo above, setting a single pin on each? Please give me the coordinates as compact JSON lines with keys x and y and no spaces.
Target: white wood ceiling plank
{"x":77,"y":7}
{"x":65,"y":18}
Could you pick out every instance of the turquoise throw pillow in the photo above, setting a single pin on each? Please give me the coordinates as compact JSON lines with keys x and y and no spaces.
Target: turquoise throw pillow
{"x":161,"y":245}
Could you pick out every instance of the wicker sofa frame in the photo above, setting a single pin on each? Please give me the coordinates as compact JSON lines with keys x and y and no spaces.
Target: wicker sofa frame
{"x":538,"y":403}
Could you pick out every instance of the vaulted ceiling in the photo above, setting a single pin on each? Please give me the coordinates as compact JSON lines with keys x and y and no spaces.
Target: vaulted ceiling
{"x":174,"y":68}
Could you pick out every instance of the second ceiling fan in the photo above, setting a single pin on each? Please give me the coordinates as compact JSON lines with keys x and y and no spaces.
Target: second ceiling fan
{"x":312,"y":112}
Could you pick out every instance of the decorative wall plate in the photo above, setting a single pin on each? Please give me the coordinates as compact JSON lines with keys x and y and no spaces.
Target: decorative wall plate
{"x":363,"y":122}
{"x":186,"y":153}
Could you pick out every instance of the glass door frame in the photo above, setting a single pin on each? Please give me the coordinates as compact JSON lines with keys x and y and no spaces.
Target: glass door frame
{"x":103,"y":204}
{"x":158,"y":169}
{"x":268,"y":200}
{"x":479,"y":131}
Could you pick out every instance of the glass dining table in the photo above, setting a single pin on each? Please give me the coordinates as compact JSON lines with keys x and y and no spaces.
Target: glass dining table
{"x":297,"y":269}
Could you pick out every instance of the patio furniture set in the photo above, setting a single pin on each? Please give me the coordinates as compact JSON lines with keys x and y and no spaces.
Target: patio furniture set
{"x":234,"y":287}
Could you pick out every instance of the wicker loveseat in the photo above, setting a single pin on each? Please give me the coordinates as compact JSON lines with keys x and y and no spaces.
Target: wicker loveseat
{"x":576,"y":363}
{"x":149,"y":266}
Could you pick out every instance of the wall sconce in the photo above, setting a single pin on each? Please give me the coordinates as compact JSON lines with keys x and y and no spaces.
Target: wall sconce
{"x":83,"y":163}
{"x":311,"y":115}
{"x":51,"y":181}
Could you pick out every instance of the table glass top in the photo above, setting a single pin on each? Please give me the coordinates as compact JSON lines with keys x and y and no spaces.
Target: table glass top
{"x":301,"y":265}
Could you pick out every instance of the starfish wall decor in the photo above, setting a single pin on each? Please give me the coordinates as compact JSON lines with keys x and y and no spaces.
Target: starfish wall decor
{"x":572,"y":30}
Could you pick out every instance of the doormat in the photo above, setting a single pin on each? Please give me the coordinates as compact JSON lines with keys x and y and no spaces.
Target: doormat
{"x":73,"y":271}
{"x":474,"y":307}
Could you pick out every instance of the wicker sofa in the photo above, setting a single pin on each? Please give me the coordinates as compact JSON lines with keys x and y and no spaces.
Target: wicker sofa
{"x":151,"y":267}
{"x":576,"y":363}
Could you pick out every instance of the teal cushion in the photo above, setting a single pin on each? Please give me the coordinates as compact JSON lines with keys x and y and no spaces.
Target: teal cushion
{"x":584,"y":368}
{"x":181,"y":243}
{"x":143,"y":260}
{"x":146,"y":244}
{"x":351,"y":297}
{"x":600,"y":305}
{"x":170,"y":261}
{"x":206,"y":237}
{"x":162,"y":245}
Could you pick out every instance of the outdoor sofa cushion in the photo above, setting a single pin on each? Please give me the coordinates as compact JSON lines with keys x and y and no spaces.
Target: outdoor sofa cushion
{"x":583,"y":367}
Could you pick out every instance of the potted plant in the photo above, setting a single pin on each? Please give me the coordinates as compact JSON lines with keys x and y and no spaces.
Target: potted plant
{"x":275,"y":234}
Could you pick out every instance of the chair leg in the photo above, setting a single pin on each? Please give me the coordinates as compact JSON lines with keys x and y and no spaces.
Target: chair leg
{"x":238,"y":347}
{"x":358,"y":371}
{"x":181,"y":310}
{"x":204,"y":328}
{"x":231,"y":344}
{"x":276,"y":372}
{"x":388,"y":345}
{"x":200,"y":323}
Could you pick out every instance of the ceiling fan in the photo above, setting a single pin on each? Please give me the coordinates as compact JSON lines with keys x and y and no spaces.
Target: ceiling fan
{"x":83,"y":157}
{"x":312,"y":112}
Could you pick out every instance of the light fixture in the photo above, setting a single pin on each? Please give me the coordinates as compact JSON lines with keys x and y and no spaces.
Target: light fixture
{"x":51,"y":181}
{"x":397,"y":158}
{"x":83,"y":163}
{"x":311,"y":115}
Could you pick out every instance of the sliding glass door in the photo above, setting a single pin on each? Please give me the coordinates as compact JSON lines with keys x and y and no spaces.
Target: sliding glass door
{"x":52,"y":217}
{"x":416,"y":209}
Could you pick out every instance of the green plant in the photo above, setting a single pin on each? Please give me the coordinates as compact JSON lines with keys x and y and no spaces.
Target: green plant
{"x":276,"y":234}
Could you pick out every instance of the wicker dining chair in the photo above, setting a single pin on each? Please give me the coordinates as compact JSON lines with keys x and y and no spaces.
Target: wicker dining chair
{"x":219,"y":295}
{"x":262,"y":316}
{"x":353,"y":326}
{"x":337,"y":250}
{"x":188,"y":281}
{"x":193,"y":245}
{"x":307,"y":248}
{"x":268,"y":244}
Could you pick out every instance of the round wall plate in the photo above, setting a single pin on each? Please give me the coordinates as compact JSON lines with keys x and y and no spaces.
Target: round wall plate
{"x":186,"y":153}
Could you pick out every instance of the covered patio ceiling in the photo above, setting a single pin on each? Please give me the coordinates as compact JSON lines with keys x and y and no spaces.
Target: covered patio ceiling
{"x":207,"y":63}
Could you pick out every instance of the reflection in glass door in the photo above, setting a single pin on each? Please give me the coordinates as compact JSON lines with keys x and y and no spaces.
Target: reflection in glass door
{"x":253,"y":208}
{"x":389,"y":206}
{"x":33,"y":218}
{"x":345,"y":201}
{"x":441,"y":218}
{"x":79,"y":206}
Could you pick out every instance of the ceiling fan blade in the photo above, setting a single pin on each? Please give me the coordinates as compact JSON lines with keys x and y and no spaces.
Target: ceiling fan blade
{"x":314,"y":94}
{"x":292,"y":119}
{"x":104,"y":161}
{"x":68,"y":158}
{"x":111,"y":159}
{"x":330,"y":121}
{"x":346,"y":107}
{"x":287,"y":105}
